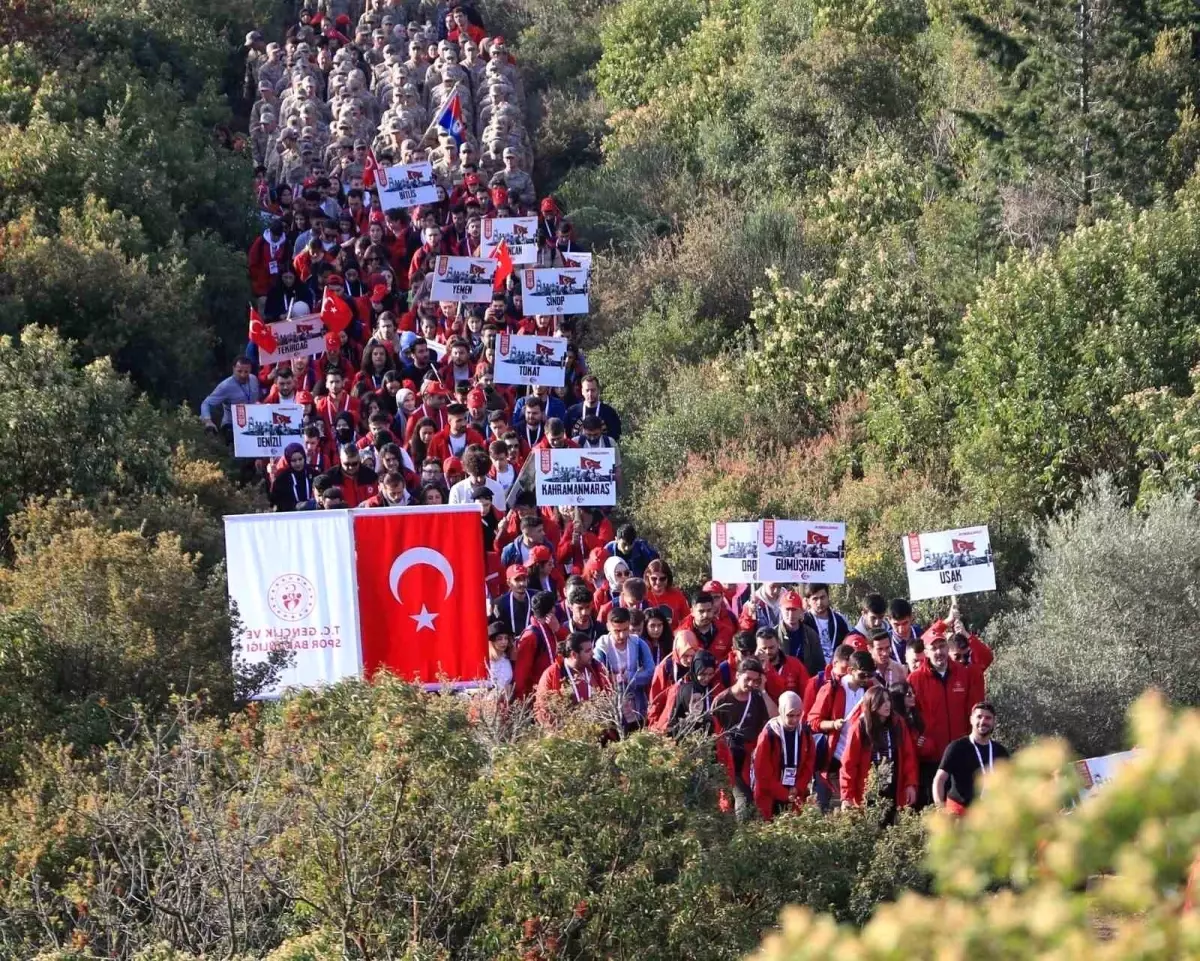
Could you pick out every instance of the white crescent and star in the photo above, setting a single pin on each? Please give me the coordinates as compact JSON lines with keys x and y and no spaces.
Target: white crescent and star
{"x":414,"y":557}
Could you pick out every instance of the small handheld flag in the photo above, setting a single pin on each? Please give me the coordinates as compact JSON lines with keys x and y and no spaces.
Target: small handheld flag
{"x":504,"y":264}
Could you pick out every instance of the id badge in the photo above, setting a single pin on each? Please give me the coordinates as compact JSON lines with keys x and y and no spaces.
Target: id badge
{"x":273,"y":267}
{"x":789,"y":777}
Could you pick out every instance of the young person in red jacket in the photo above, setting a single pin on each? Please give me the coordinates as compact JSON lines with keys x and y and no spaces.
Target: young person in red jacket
{"x":945,"y":694}
{"x":833,"y":708}
{"x":715,"y":636}
{"x":784,"y":759}
{"x":456,"y":437}
{"x":662,"y":592}
{"x":575,"y":678}
{"x":357,"y":481}
{"x":671,"y":671}
{"x":784,"y":673}
{"x":688,"y":703}
{"x":268,"y":255}
{"x":537,"y":647}
{"x":877,"y":736}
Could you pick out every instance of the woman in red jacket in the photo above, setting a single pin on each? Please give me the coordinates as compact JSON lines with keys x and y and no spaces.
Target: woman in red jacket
{"x":662,"y":592}
{"x":876,"y":736}
{"x":784,"y":760}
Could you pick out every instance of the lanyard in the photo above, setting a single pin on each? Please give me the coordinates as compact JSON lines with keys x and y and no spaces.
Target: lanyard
{"x":512,"y":614}
{"x":795,"y":747}
{"x":745,"y":713}
{"x":574,"y":690}
{"x":990,"y":764}
{"x":296,"y":489}
{"x":246,"y":392}
{"x":541,"y":630}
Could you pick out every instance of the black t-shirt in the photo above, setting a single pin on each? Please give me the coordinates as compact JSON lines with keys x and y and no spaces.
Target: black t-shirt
{"x":962,"y":762}
{"x":741,"y":721}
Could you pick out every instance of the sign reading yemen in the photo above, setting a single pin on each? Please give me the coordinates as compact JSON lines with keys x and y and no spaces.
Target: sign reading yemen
{"x":464,"y":279}
{"x":554,"y":290}
{"x":941,"y":563}
{"x":801,"y":551}
{"x":295,"y":338}
{"x":531,"y":360}
{"x":408,"y":185}
{"x":520,"y":232}
{"x":292,"y":579}
{"x":570,"y":475}
{"x":264,"y":430}
{"x":735,"y":552}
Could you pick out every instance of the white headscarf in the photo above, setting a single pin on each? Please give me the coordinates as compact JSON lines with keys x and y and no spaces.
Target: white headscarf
{"x":788,"y":701}
{"x":610,"y":571}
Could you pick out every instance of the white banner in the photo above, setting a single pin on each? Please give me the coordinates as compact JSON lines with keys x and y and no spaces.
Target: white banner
{"x":554,"y":290}
{"x":942,"y":563}
{"x":577,"y":258}
{"x":522,"y":359}
{"x":292,"y":579}
{"x":464,"y":279}
{"x":1094,"y":772}
{"x":801,"y":552}
{"x":735,"y":552}
{"x":296,"y":338}
{"x":264,"y":430}
{"x":520,"y":232}
{"x":408,"y":185}
{"x":569,"y":475}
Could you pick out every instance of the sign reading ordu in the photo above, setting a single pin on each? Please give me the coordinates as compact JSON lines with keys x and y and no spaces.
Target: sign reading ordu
{"x":734,"y":551}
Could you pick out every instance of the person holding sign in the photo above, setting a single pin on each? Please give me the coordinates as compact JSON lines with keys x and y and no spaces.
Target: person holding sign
{"x":783,"y":761}
{"x":966,"y":761}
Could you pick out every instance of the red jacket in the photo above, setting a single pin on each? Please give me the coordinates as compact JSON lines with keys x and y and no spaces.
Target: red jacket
{"x":767,"y":767}
{"x":945,"y":705}
{"x":673,"y":599}
{"x":329,"y":410}
{"x":722,"y":642}
{"x":439,"y":444}
{"x":856,"y":763}
{"x":553,"y":681}
{"x":537,"y":649}
{"x":262,"y":277}
{"x":828,"y":705}
{"x":357,"y":487}
{"x":572,"y":551}
{"x":667,"y":674}
{"x":510,"y":530}
{"x":791,"y":676}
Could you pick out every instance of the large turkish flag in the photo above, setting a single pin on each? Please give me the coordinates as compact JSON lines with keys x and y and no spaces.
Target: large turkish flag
{"x":421,"y":592}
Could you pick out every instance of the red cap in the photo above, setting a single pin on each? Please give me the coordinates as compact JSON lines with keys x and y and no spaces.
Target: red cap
{"x":379,"y":294}
{"x":451,"y":464}
{"x":434,"y":389}
{"x":343,"y":20}
{"x":515,"y":570}
{"x":499,"y":196}
{"x":539,"y":554}
{"x":936,"y":631}
{"x":714,"y":587}
{"x":548,"y":206}
{"x":471,"y":180}
{"x":303,"y":397}
{"x":791,"y":601}
{"x":332,"y":341}
{"x":377,"y":217}
{"x":476,"y":398}
{"x":335,"y":279}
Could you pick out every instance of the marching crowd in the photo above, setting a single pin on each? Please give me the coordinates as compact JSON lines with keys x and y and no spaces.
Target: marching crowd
{"x":401,"y":407}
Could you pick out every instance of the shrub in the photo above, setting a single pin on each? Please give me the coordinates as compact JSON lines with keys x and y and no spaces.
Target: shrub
{"x":1111,"y":612}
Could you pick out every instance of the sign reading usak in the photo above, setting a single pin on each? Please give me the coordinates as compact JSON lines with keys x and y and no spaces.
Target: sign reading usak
{"x":801,"y":551}
{"x":264,"y":430}
{"x":567,"y":476}
{"x":529,"y":360}
{"x":408,"y":185}
{"x":554,"y":290}
{"x":735,"y":552}
{"x":942,"y":563}
{"x":520,"y":233}
{"x":464,"y":279}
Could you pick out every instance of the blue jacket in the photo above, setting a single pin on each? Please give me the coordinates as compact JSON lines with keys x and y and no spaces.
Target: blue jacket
{"x":554,"y":408}
{"x":637,"y":685}
{"x":638,"y":558}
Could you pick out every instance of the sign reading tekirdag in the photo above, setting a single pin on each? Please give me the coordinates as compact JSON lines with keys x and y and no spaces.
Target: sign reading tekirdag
{"x":801,"y":551}
{"x":569,"y":476}
{"x":735,"y":551}
{"x":949,"y":562}
{"x":408,"y":185}
{"x":530,"y":360}
{"x":520,"y":232}
{"x":464,"y":279}
{"x":554,"y":290}
{"x":295,"y":338}
{"x":264,"y":430}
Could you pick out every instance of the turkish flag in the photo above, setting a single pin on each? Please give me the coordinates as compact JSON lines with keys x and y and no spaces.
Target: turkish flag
{"x":504,"y":267}
{"x":421,"y":592}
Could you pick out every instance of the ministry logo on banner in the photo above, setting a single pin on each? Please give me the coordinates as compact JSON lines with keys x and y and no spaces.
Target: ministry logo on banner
{"x":291,"y":577}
